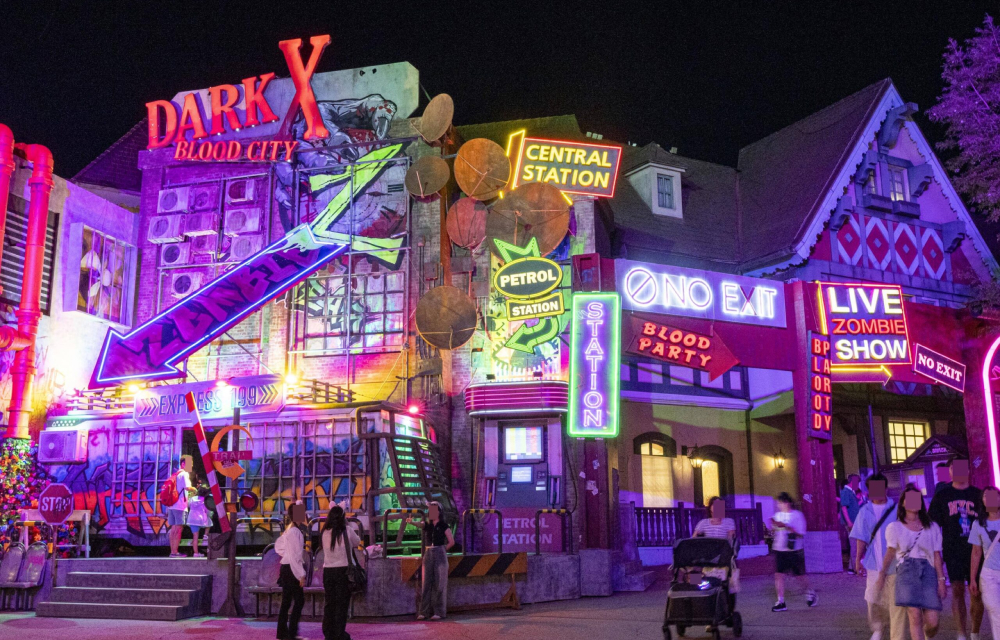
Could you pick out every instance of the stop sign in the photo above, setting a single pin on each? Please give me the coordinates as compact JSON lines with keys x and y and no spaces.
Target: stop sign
{"x":55,"y":504}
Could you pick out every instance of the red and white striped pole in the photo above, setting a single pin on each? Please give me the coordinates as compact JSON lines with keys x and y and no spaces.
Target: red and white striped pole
{"x":206,"y":459}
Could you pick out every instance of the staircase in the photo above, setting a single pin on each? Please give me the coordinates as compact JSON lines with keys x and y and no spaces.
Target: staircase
{"x":630,"y":575}
{"x":129,"y":596}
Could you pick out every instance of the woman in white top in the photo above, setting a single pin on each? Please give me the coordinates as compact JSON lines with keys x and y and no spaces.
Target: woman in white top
{"x":916,"y":542}
{"x":983,"y":538}
{"x":335,"y":587}
{"x":292,"y":577}
{"x":717,"y":525}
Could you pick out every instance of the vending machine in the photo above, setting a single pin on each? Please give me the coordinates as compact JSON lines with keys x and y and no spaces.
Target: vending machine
{"x":523,"y":462}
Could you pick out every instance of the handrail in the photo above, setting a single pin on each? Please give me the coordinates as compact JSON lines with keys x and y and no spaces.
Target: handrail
{"x":257,"y":522}
{"x":350,"y":517}
{"x":567,"y":541}
{"x":483,"y":512}
{"x":385,"y":522}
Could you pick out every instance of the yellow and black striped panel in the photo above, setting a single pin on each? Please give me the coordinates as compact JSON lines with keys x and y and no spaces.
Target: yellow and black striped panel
{"x":474,"y":565}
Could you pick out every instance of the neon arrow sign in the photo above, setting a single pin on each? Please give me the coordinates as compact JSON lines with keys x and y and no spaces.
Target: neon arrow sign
{"x":152,"y":350}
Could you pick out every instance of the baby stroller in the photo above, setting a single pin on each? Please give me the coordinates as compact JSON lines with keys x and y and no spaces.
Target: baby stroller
{"x":709,"y":602}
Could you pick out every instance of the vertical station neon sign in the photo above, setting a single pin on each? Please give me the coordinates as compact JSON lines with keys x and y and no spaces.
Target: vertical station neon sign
{"x":595,"y":365}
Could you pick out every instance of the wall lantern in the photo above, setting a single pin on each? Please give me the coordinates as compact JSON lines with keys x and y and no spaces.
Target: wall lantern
{"x":695,"y":457}
{"x":779,"y":459}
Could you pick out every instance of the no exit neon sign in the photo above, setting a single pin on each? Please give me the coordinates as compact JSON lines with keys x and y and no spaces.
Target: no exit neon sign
{"x":595,"y":363}
{"x":700,"y":294}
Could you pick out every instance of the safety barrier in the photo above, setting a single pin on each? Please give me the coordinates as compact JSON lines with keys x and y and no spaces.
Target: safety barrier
{"x":476,"y":512}
{"x":567,"y":536}
{"x":254,"y":523}
{"x":401,"y":512}
{"x":315,"y":530}
{"x":31,"y":518}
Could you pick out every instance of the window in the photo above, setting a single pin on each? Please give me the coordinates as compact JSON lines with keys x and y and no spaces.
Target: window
{"x":665,"y":191}
{"x":897,"y":184}
{"x":105,"y":267}
{"x":655,"y":444}
{"x":362,"y":311}
{"x":869,"y":187}
{"x":12,"y":267}
{"x":905,"y":438}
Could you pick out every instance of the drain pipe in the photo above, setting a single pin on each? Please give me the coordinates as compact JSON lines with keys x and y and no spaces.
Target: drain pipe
{"x":6,"y":171}
{"x":29,"y":313}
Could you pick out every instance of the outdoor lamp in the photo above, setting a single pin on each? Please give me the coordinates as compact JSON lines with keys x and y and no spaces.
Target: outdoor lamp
{"x":779,"y":459}
{"x":696,"y":460}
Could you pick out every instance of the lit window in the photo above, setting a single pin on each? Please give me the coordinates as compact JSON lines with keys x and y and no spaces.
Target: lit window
{"x":105,"y":270}
{"x":897,"y":184}
{"x":905,"y":438}
{"x":869,"y":186}
{"x":665,"y":191}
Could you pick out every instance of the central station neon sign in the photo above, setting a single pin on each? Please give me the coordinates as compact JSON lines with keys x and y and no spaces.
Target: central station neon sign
{"x":595,"y":363}
{"x":573,"y":167}
{"x":178,"y":121}
{"x":700,"y":294}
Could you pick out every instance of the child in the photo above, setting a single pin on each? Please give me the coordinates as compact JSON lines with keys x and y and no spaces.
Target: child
{"x":789,"y":528}
{"x":198,"y":516}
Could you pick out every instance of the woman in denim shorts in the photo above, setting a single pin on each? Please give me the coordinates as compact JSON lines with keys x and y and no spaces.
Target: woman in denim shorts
{"x":915,"y":542}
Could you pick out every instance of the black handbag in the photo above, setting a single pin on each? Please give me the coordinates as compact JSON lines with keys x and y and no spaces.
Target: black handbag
{"x":357,"y":577}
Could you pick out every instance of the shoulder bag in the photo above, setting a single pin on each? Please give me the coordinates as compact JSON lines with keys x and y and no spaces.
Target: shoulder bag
{"x":357,"y":578}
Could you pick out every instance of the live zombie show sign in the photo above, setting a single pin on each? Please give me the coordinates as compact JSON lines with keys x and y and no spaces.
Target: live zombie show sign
{"x":866,"y":325}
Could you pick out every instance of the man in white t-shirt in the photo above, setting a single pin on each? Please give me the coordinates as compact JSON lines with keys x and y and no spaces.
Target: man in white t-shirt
{"x":176,"y":511}
{"x":789,"y":527}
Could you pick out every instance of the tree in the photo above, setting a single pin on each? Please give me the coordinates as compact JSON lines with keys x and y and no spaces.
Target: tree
{"x":970,"y":110}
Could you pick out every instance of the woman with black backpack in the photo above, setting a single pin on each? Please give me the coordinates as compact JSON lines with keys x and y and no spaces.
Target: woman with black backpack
{"x":339,"y":543}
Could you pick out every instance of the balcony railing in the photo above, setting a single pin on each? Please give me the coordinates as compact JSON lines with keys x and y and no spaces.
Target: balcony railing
{"x":662,"y":526}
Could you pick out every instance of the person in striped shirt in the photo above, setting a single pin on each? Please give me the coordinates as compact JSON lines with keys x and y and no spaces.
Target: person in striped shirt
{"x":717,"y":525}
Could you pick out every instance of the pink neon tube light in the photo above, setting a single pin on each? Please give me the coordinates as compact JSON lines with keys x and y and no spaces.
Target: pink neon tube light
{"x":991,"y":423}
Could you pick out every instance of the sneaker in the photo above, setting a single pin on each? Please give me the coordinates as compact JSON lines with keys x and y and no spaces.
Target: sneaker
{"x":177,"y":555}
{"x":779,"y":606}
{"x":421,"y":617}
{"x":811,"y":598}
{"x":877,"y":635}
{"x":435,"y":617}
{"x":973,"y":636}
{"x":198,"y":555}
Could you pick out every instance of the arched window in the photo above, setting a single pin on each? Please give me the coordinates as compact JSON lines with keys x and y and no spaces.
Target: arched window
{"x":655,"y":444}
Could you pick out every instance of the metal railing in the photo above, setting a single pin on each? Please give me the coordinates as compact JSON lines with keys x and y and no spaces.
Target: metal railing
{"x":404,"y":520}
{"x":565,"y":515}
{"x":472,"y":539}
{"x":662,"y":526}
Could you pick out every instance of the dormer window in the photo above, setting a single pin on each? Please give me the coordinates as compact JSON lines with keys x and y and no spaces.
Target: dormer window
{"x":897,"y":183}
{"x":664,"y":191}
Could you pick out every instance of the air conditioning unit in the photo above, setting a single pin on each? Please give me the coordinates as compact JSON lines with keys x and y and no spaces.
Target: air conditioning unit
{"x":204,"y":197}
{"x":173,"y":200}
{"x":164,"y":229}
{"x":201,"y":224}
{"x":62,"y":445}
{"x":184,"y":283}
{"x":175,"y":254}
{"x":239,"y":191}
{"x":201,"y":245}
{"x":243,"y":247}
{"x":240,"y":221}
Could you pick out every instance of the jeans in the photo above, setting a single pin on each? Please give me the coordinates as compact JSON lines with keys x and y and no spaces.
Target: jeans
{"x":292,"y":597}
{"x":337,"y":600}
{"x":989,"y":582}
{"x":434,"y":596}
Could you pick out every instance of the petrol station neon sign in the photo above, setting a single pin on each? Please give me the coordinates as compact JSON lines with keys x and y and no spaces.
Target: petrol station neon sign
{"x":595,"y":363}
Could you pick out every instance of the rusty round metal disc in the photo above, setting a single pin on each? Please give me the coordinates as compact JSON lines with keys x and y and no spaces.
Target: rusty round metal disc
{"x":426,"y":176}
{"x":482,"y":169}
{"x":532,"y":211}
{"x":467,"y":222}
{"x":446,"y":317}
{"x":437,"y":117}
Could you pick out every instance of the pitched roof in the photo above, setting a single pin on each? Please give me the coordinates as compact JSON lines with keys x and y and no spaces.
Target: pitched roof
{"x":118,"y":166}
{"x":705,"y":237}
{"x":785,"y":176}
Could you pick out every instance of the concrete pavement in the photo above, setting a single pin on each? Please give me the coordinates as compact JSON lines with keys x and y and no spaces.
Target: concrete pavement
{"x":624,"y":616}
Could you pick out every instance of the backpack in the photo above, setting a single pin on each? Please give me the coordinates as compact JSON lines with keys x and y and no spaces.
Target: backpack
{"x":168,"y":492}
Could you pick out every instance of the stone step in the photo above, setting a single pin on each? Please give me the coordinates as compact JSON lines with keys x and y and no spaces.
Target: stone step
{"x":636,"y":581}
{"x":96,"y":595}
{"x":137,"y":580}
{"x":112,"y":611}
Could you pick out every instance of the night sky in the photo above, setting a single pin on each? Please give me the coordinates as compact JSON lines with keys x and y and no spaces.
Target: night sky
{"x":705,"y":77}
